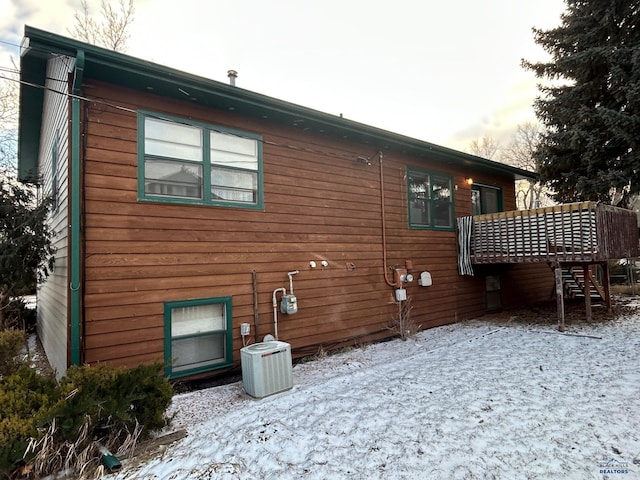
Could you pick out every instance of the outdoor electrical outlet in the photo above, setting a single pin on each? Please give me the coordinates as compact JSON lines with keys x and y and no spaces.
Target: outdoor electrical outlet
{"x":245,"y":329}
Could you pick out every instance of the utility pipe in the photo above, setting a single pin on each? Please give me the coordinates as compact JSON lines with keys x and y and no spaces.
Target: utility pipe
{"x":295,"y":272}
{"x":255,"y":304}
{"x":75,"y":213}
{"x":384,"y":229}
{"x":275,"y":309}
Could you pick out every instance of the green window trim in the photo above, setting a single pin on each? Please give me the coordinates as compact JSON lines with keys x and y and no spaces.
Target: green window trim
{"x":430,"y":198}
{"x":204,"y":164}
{"x":202,"y":364}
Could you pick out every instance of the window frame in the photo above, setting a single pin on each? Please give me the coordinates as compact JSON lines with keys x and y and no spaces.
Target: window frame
{"x":478,"y":187}
{"x":432,"y":201}
{"x":168,"y":338}
{"x":206,"y":130}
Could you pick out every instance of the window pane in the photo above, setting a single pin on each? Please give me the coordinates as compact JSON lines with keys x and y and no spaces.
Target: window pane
{"x":489,"y":200}
{"x":234,"y":185}
{"x":197,"y":319}
{"x":443,"y":206}
{"x":441,"y":188}
{"x":419,"y":212}
{"x":197,"y":352}
{"x":419,"y":186}
{"x":443,"y":214}
{"x":174,"y":140}
{"x":232,"y":151}
{"x":476,"y":206}
{"x":172,"y":178}
{"x":419,"y":193}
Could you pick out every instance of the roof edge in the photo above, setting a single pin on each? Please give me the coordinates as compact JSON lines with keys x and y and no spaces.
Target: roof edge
{"x":54,"y":43}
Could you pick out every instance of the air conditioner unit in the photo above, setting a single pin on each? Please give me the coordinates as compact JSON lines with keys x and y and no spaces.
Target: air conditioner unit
{"x":266,"y":368}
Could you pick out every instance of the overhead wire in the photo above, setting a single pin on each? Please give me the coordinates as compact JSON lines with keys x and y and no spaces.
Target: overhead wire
{"x":66,"y":59}
{"x":174,"y":120}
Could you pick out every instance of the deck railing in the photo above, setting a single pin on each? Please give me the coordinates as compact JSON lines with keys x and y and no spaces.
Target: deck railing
{"x":574,"y":232}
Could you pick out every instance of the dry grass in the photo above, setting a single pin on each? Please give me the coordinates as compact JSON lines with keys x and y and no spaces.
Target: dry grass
{"x":545,"y":313}
{"x":80,"y":456}
{"x":625,"y":289}
{"x":51,"y":455}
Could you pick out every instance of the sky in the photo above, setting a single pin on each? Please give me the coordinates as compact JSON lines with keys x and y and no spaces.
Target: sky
{"x":443,"y":72}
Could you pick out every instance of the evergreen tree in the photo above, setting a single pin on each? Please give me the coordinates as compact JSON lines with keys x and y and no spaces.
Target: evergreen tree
{"x":591,"y":108}
{"x":26,"y":254}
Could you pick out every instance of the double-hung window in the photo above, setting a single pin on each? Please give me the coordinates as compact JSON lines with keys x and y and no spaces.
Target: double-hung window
{"x":188,"y":162}
{"x":197,"y":335}
{"x":430,"y":200}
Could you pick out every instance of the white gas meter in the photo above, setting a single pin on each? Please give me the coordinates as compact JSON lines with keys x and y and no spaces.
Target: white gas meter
{"x":289,"y":304}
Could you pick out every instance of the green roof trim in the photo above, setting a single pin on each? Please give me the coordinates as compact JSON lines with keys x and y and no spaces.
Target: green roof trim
{"x":32,"y":71}
{"x":138,"y":74}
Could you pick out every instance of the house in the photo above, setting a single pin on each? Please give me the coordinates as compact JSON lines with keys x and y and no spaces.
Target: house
{"x":186,"y":207}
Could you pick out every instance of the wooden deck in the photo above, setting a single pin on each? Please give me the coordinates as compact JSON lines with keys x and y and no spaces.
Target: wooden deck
{"x":582,"y":232}
{"x":575,"y":234}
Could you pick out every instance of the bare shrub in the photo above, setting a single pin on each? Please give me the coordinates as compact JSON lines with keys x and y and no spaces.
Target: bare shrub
{"x":401,"y":323}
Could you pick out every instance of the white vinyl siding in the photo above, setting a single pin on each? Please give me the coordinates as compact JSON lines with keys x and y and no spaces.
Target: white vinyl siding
{"x":53,"y":163}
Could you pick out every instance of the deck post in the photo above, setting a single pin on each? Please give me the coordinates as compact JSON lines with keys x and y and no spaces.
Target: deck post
{"x":587,"y":290}
{"x":606,"y":283}
{"x":557,"y":270}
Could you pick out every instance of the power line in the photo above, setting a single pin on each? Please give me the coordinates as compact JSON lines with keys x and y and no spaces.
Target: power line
{"x":9,"y":70}
{"x":65,"y":58}
{"x":9,"y":43}
{"x":174,"y":120}
{"x":71,"y":95}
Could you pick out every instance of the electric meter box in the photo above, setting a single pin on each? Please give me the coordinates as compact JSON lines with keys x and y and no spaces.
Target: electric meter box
{"x":425,"y":279}
{"x":289,"y":304}
{"x":401,"y":294}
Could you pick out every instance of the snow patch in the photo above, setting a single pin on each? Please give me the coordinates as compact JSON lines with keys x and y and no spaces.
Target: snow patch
{"x":464,"y":401}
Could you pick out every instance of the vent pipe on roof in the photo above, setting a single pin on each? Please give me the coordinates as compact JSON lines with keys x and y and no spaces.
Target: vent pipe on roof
{"x":232,"y":74}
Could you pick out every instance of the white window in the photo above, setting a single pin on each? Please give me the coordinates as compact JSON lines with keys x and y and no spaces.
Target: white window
{"x":198,"y":335}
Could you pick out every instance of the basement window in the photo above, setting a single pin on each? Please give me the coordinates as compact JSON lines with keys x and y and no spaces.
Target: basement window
{"x":430,"y":200}
{"x":197,"y":336}
{"x":182,"y":161}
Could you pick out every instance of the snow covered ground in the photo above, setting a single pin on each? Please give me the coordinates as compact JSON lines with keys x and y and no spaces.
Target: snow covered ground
{"x":475,"y":400}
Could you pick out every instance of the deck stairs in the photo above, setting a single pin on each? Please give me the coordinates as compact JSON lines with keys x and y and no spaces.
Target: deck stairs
{"x":573,"y":280}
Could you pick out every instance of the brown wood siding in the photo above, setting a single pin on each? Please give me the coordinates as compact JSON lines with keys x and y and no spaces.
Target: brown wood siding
{"x":319,"y":205}
{"x":524,"y":284}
